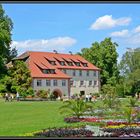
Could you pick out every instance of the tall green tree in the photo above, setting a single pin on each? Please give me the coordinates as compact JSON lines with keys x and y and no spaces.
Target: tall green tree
{"x":130,"y":70}
{"x":20,"y":78}
{"x":6,"y":52}
{"x":104,"y":55}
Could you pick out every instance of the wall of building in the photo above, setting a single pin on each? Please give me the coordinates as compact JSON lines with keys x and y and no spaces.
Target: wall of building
{"x":63,"y":89}
{"x":77,"y":78}
{"x":76,"y":88}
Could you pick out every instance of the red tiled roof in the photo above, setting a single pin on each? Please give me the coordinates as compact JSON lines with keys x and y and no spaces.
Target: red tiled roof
{"x":38,"y":61}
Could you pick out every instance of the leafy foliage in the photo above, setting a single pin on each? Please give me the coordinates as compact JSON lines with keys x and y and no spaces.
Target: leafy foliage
{"x":6,"y":52}
{"x":110,"y":98}
{"x":19,"y":79}
{"x":42,"y":94}
{"x":130,"y":70}
{"x":128,"y":113}
{"x":133,"y":101}
{"x":75,"y":107}
{"x":104,"y":56}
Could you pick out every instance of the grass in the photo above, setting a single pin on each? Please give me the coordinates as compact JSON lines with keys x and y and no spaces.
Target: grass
{"x":19,"y":118}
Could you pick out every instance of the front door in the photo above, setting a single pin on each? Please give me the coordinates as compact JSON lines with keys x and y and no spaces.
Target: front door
{"x":82,"y":93}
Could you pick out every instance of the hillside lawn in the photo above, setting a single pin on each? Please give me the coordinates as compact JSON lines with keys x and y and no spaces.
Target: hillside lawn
{"x":20,"y":118}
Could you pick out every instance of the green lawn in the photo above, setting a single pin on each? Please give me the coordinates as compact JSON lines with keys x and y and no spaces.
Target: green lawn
{"x":18,"y":118}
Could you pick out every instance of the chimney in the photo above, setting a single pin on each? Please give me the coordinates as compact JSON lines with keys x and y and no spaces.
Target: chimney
{"x":70,"y":52}
{"x":54,"y":51}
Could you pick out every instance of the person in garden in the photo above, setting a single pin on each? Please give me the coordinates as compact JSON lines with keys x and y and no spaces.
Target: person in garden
{"x":6,"y":97}
{"x":87,"y":97}
{"x":11,"y":97}
{"x":90,"y":97}
{"x":17,"y":96}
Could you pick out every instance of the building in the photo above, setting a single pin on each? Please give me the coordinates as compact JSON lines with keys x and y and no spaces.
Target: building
{"x":62,"y":74}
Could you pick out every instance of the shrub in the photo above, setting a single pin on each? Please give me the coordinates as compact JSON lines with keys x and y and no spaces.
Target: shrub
{"x":75,"y":107}
{"x":133,"y":101}
{"x":30,"y":92}
{"x":2,"y":88}
{"x":52,"y":96}
{"x":128,"y":113}
{"x":42,"y":94}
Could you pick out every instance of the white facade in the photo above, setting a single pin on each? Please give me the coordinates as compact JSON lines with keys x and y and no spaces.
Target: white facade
{"x":91,"y":83}
{"x":77,"y":87}
{"x":63,"y":89}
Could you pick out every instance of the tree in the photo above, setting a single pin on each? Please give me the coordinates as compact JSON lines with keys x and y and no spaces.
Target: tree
{"x":130,"y":70}
{"x":6,"y":52}
{"x":104,"y":56}
{"x":20,"y":78}
{"x":75,"y":107}
{"x":110,"y":97}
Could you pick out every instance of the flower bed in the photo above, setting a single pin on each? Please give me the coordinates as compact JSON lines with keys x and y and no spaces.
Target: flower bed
{"x":91,"y":119}
{"x":75,"y":119}
{"x":65,"y":132}
{"x":72,"y":119}
{"x":119,"y":123}
{"x":123,"y":132}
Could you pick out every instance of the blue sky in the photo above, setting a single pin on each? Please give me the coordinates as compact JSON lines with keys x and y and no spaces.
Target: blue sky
{"x":71,"y":27}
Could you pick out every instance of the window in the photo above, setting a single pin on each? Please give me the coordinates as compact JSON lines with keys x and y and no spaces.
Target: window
{"x":64,"y":70}
{"x":80,"y":73}
{"x":87,"y":73}
{"x":63,"y":82}
{"x":52,"y":71}
{"x":94,"y":73}
{"x":39,"y":83}
{"x":85,"y":64}
{"x":74,"y":72}
{"x":62,"y":63}
{"x":81,"y":83}
{"x":48,"y":83}
{"x":95,"y":83}
{"x":55,"y":82}
{"x":70,"y":64}
{"x":71,"y":82}
{"x":90,"y":83}
{"x":46,"y":71}
{"x":53,"y":62}
{"x":77,"y":64}
{"x":49,"y":71}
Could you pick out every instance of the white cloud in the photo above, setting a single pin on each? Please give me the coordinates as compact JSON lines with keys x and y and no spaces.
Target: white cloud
{"x":137,"y":29}
{"x":58,"y":43}
{"x":134,"y":39}
{"x":106,"y":22}
{"x":122,"y":33}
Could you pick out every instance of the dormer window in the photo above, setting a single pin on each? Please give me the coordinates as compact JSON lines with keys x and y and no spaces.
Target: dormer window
{"x":52,"y":62}
{"x":49,"y":71}
{"x":52,"y":71}
{"x":70,"y":64}
{"x":46,"y":71}
{"x":62,"y":63}
{"x":77,"y":63}
{"x":85,"y":64}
